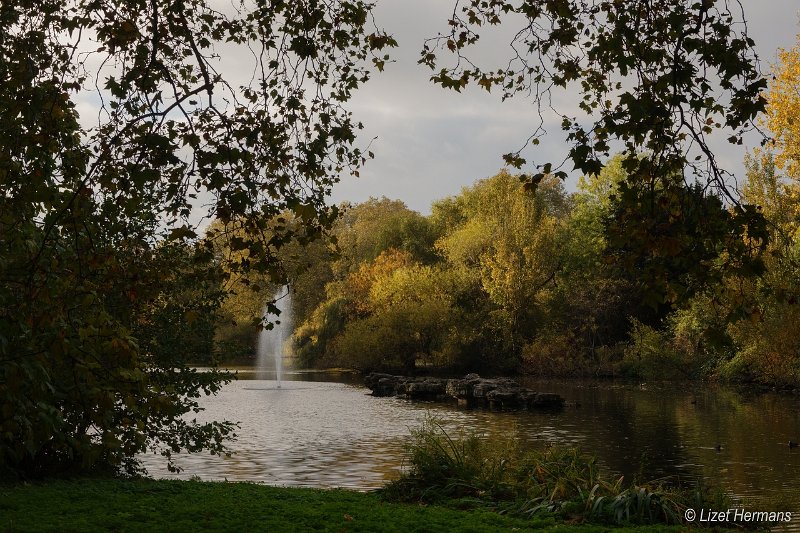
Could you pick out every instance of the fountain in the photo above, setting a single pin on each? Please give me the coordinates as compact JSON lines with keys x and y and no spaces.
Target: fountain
{"x":272,"y":343}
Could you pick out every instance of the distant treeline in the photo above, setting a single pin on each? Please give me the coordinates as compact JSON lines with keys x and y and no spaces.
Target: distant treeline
{"x":507,"y":279}
{"x":630,"y":275}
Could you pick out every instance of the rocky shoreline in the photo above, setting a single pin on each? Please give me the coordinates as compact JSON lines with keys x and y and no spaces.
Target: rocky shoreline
{"x":470,"y":391}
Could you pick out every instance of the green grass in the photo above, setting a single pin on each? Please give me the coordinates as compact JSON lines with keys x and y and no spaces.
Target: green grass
{"x":150,"y":505}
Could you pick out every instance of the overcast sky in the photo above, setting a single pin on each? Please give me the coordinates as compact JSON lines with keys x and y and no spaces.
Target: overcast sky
{"x":432,"y":142}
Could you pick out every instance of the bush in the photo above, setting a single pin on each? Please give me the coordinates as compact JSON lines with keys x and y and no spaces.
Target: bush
{"x":768,"y":348}
{"x":552,"y":353}
{"x":476,"y":470}
{"x":445,"y":468}
{"x":654,"y":354}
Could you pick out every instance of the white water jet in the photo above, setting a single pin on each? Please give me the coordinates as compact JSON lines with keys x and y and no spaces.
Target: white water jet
{"x":273,"y":344}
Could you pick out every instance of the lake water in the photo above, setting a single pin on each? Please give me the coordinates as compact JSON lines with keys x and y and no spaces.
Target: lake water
{"x":324,"y":430}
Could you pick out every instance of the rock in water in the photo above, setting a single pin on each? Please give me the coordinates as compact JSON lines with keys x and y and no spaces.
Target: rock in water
{"x":472,"y":391}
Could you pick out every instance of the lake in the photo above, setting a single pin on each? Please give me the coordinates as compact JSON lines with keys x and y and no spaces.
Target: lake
{"x":325,"y":430}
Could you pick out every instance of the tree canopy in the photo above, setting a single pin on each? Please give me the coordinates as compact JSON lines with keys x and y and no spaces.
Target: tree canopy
{"x":658,"y":76}
{"x":653,"y":80}
{"x":94,"y":210}
{"x":783,"y":109}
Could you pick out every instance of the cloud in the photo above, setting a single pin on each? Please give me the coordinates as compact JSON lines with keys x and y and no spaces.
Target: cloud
{"x":432,"y":142}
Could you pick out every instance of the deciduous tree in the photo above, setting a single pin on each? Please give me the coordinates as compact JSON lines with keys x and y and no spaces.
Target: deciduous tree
{"x":783,"y":110}
{"x":653,"y":79}
{"x":85,"y":201}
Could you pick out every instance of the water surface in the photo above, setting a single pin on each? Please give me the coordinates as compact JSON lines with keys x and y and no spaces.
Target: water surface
{"x":324,"y":430}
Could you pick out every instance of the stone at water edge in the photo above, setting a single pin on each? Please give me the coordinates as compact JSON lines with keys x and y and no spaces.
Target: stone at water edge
{"x":426,"y":389}
{"x":382,"y":384}
{"x":472,"y":390}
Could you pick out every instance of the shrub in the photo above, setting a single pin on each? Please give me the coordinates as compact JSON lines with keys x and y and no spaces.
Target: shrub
{"x":552,"y":353}
{"x":444,"y":468}
{"x":655,"y":354}
{"x":476,"y":470}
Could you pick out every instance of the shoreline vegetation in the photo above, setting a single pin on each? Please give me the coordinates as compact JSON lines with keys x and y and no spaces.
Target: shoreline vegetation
{"x":245,"y":365}
{"x":540,"y":289}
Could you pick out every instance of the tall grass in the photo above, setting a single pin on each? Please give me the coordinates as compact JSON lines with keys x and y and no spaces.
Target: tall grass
{"x":472,"y":470}
{"x":446,"y":468}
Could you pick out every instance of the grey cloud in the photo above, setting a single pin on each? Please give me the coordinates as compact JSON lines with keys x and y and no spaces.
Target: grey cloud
{"x":432,"y":142}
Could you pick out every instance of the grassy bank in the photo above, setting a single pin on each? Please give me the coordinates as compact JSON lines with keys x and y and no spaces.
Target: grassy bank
{"x":140,"y":505}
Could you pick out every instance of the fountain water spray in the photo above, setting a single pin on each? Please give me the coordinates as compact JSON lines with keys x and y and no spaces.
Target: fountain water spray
{"x":272,"y":343}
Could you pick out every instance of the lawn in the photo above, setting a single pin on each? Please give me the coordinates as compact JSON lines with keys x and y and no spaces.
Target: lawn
{"x":161,"y":505}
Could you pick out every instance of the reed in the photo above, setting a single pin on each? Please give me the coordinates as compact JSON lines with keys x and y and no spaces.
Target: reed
{"x":473,"y":470}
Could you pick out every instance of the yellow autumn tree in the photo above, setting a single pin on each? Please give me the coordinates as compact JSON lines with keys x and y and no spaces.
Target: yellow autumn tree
{"x":768,"y":345}
{"x":783,"y":114}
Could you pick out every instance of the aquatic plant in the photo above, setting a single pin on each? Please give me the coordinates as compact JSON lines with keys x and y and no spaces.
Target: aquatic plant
{"x":476,"y":470}
{"x":449,"y":468}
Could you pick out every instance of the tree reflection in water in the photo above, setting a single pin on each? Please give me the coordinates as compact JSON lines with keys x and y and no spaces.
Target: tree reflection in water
{"x":330,"y":433}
